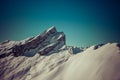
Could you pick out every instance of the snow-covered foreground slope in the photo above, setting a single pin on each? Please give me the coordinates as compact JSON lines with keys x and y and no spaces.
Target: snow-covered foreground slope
{"x":56,"y":61}
{"x":100,"y":64}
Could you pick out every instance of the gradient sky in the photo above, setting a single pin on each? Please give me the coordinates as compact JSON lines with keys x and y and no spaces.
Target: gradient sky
{"x":85,"y":22}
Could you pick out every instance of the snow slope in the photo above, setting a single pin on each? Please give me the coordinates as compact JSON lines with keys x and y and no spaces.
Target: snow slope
{"x":100,"y":64}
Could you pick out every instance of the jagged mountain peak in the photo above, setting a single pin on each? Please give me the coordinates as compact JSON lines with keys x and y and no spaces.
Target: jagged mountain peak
{"x":98,"y":62}
{"x":49,"y":41}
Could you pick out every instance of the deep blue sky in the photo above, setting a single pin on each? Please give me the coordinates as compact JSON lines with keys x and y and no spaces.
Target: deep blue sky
{"x":85,"y":22}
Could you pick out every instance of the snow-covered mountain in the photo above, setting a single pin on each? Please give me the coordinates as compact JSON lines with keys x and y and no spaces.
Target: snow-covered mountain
{"x":47,"y":57}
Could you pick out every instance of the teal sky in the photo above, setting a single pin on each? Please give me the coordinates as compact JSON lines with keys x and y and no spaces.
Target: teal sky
{"x":85,"y":22}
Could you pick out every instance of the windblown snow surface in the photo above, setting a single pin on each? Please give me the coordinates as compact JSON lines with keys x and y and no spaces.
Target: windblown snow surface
{"x":100,"y":62}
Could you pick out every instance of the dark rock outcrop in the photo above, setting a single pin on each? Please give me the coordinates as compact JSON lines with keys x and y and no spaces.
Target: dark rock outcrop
{"x":98,"y":46}
{"x":49,"y":40}
{"x":74,"y":50}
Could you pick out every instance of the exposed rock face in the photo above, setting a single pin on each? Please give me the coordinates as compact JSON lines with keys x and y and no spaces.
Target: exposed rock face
{"x":118,"y":45}
{"x":6,"y":48}
{"x":49,"y":40}
{"x":74,"y":50}
{"x":98,"y":46}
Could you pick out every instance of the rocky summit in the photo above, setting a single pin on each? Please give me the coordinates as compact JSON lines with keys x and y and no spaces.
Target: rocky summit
{"x":48,"y":41}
